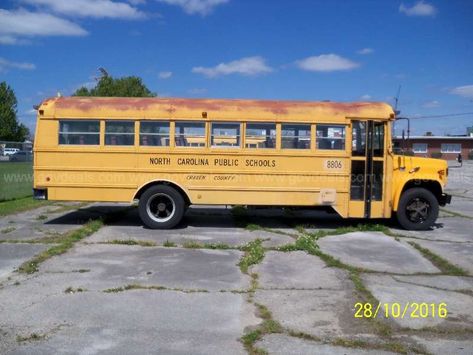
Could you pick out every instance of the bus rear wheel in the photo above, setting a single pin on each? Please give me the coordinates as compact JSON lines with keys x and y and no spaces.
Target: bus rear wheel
{"x":418,"y":209}
{"x":161,"y":207}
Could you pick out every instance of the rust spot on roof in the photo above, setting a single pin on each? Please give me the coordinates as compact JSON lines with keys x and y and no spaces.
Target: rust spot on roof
{"x":171,"y":109}
{"x":117,"y":103}
{"x":171,"y":105}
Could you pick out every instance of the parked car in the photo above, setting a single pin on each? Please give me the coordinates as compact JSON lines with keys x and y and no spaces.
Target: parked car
{"x":10,"y":151}
{"x":21,"y":156}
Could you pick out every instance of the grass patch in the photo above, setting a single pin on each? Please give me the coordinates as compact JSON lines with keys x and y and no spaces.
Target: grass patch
{"x":216,"y":246}
{"x":268,"y":326}
{"x":81,"y":270}
{"x":143,"y":243}
{"x":169,"y":244}
{"x":16,"y":180}
{"x":253,"y":286}
{"x":308,"y":241}
{"x":253,"y":227}
{"x":254,"y":254}
{"x":20,"y":205}
{"x":191,"y":244}
{"x":305,"y":242}
{"x":30,"y":337}
{"x":442,"y":264}
{"x":7,"y":230}
{"x":302,"y":335}
{"x":152,"y":287}
{"x":74,"y":290}
{"x":65,"y":242}
{"x":41,"y":217}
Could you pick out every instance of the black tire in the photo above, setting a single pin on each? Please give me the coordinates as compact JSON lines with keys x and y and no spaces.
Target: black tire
{"x":161,"y":207}
{"x":418,"y":209}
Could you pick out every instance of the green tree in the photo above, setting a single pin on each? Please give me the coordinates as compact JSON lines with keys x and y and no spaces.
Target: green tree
{"x":128,"y":86}
{"x":10,"y":128}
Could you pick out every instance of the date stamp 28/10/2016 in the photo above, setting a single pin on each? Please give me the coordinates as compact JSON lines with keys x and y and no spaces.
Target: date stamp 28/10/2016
{"x":400,"y":310}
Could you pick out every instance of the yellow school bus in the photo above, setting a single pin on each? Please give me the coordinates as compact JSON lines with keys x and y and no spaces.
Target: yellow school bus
{"x":171,"y":153}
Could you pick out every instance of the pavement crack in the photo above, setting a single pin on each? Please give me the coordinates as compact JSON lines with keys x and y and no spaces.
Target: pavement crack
{"x":456,"y":214}
{"x":465,"y":292}
{"x":436,"y":240}
{"x":152,"y":288}
{"x":297,"y":289}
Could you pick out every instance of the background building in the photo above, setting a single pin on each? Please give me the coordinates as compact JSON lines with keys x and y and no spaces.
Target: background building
{"x":445,"y":147}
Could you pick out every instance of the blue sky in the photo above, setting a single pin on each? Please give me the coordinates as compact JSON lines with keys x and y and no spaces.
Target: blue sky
{"x":302,"y":49}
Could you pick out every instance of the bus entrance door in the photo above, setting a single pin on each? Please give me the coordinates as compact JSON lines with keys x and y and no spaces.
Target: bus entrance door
{"x":367,"y":169}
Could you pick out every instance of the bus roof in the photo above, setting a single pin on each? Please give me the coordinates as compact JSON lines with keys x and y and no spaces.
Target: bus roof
{"x":126,"y":107}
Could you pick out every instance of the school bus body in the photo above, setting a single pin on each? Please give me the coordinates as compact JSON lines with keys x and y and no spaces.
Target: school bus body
{"x":221,"y":170}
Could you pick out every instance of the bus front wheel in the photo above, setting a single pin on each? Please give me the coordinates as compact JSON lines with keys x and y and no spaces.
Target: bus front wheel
{"x":418,"y":209}
{"x":161,"y":207}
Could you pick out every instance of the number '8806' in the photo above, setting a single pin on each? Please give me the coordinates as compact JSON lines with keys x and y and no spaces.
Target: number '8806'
{"x":333,"y":164}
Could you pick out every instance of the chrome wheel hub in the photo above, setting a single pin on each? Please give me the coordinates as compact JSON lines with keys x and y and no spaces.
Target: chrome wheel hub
{"x":160,"y":207}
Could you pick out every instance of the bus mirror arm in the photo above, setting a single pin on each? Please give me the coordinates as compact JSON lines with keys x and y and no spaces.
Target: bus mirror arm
{"x":400,"y":163}
{"x":404,"y":140}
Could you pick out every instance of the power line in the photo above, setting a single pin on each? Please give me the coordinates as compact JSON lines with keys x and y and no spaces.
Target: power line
{"x":444,"y":115}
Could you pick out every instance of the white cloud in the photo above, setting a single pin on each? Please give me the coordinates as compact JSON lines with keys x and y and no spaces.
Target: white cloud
{"x":21,"y":23}
{"x":431,"y":104}
{"x":5,"y":65}
{"x":421,"y":8}
{"x":249,"y":66}
{"x":10,"y":40}
{"x":7,"y":39}
{"x":326,"y":63}
{"x":201,"y":7}
{"x":365,"y":97}
{"x":90,"y":8}
{"x":365,"y":51}
{"x":464,"y":91}
{"x":165,"y":74}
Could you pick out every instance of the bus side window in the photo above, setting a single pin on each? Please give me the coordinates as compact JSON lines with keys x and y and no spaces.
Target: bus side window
{"x":225,"y":134}
{"x":119,"y":133}
{"x":295,"y":136}
{"x":154,"y":133}
{"x":330,"y":137}
{"x":190,"y":134}
{"x":260,"y":135}
{"x":83,"y":132}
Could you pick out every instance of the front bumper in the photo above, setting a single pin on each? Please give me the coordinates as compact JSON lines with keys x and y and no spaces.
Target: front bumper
{"x":445,"y":199}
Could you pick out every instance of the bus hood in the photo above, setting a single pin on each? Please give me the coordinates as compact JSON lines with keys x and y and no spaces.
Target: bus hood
{"x":422,"y":168}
